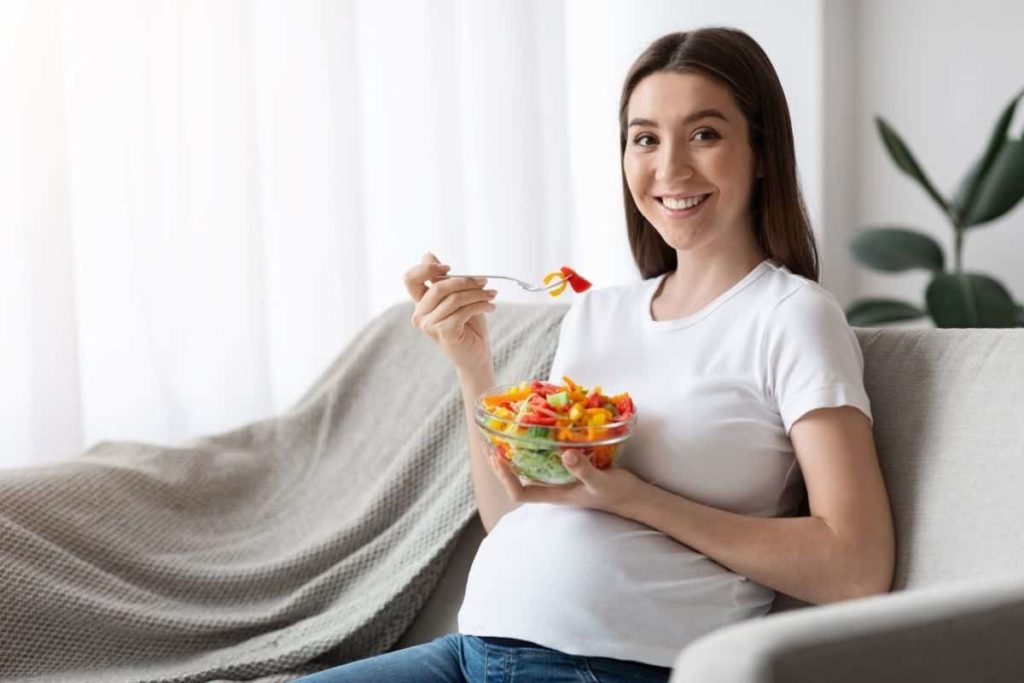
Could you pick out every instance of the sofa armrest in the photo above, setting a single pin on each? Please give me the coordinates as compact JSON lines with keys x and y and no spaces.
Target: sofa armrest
{"x":968,"y":630}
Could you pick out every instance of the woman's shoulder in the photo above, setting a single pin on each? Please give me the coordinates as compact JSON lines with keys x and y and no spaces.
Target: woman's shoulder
{"x":797,"y":305}
{"x":609,"y":302}
{"x":623,"y":290}
{"x":789,"y":292}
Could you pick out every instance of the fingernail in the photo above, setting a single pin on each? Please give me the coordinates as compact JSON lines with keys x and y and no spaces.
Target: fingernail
{"x":491,"y":292}
{"x":480,"y":280}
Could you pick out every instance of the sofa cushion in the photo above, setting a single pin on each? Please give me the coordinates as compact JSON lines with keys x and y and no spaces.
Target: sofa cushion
{"x":949,"y":428}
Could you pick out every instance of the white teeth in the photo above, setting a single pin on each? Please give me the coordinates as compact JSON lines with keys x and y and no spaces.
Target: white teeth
{"x":677,"y":204}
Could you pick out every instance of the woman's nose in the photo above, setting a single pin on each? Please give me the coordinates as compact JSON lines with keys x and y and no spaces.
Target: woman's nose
{"x":674,"y":162}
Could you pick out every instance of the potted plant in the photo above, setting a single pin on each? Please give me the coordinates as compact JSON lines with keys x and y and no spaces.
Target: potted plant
{"x":954,"y":298}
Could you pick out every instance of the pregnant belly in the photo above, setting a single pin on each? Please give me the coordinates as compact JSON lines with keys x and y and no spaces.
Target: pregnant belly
{"x":540,"y":556}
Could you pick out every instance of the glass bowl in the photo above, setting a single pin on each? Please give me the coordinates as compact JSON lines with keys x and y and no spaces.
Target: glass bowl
{"x":534,"y":452}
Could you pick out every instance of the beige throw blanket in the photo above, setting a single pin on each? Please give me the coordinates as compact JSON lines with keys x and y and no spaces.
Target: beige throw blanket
{"x":266,"y":552}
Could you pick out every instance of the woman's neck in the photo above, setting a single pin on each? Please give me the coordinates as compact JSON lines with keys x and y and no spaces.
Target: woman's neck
{"x":696,"y":282}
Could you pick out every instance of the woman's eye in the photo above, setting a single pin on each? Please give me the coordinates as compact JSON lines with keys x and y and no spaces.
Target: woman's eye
{"x":640,"y":137}
{"x":707,"y":131}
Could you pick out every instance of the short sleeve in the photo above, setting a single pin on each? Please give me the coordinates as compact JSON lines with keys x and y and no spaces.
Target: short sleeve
{"x":812,"y":356}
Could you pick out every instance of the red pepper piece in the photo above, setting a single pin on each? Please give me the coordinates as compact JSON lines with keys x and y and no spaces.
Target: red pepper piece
{"x":535,"y":419}
{"x":625,"y":407}
{"x":543,"y":388}
{"x":576,"y":281}
{"x":595,"y":401}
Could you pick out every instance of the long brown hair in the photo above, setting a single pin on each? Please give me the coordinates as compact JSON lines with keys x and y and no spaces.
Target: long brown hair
{"x":734,"y":59}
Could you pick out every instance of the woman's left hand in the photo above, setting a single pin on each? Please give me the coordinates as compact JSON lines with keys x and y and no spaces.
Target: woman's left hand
{"x":609,"y":490}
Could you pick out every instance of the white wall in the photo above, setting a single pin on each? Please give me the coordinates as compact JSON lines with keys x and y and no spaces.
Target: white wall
{"x":940,"y":72}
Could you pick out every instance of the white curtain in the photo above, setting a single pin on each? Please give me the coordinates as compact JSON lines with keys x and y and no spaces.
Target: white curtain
{"x":201,"y":202}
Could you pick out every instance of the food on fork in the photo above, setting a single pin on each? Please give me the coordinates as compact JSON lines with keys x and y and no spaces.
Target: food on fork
{"x":578,"y":283}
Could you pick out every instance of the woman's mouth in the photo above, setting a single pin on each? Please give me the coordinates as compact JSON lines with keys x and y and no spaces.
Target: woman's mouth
{"x":682,"y":208}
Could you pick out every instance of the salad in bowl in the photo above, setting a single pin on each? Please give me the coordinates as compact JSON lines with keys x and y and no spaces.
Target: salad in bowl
{"x":532,"y":423}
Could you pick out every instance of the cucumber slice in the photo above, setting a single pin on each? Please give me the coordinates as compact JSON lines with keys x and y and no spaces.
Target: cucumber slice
{"x":560,"y":400}
{"x":537,"y":432}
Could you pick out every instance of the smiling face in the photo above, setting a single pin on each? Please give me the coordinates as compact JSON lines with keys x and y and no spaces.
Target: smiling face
{"x":688,"y":161}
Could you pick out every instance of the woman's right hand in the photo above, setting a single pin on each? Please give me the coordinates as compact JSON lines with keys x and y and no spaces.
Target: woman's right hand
{"x":451,"y":312}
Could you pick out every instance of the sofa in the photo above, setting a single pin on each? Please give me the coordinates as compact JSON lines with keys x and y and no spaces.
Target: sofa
{"x":948,"y":408}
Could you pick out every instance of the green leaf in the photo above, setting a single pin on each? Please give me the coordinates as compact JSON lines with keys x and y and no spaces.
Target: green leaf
{"x":895,"y":250}
{"x":995,"y":183}
{"x":1001,"y":189}
{"x":970,"y":300}
{"x":901,"y":154}
{"x":874,"y":311}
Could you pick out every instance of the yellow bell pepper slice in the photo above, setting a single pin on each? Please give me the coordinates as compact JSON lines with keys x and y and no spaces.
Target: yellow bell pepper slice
{"x":560,"y":288}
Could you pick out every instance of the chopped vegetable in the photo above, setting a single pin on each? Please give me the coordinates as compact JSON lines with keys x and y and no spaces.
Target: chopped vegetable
{"x":560,"y":288}
{"x":576,"y":281}
{"x":569,"y":277}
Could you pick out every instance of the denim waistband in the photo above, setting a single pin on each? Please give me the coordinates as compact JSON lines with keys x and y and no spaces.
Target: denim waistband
{"x":516,"y":642}
{"x":511,"y":642}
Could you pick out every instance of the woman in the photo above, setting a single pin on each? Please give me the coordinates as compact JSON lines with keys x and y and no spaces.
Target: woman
{"x":749,"y":384}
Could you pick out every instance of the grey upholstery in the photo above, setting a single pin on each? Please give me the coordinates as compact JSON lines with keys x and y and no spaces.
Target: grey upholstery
{"x":948,"y":407}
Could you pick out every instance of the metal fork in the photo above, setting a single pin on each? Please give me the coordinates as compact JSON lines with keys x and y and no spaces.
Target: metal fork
{"x":525,"y":285}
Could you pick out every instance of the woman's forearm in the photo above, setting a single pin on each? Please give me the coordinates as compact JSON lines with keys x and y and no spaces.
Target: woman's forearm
{"x":799,"y":556}
{"x":492,"y":500}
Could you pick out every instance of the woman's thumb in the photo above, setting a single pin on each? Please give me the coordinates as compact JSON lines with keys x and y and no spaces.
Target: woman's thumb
{"x":430,"y":258}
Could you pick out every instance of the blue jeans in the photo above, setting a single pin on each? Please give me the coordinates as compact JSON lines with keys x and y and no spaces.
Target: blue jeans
{"x":457,"y":657}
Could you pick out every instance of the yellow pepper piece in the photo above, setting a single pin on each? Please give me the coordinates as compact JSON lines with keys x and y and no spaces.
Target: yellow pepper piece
{"x":576,"y":412}
{"x":560,"y":288}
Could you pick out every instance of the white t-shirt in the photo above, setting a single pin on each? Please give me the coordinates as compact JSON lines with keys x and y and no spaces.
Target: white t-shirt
{"x":716,"y":393}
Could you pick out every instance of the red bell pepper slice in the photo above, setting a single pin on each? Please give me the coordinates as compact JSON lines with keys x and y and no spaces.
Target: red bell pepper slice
{"x":543,"y":388}
{"x":576,"y":281}
{"x":625,"y":407}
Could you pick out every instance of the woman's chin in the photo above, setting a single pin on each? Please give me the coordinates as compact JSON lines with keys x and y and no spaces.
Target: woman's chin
{"x":683,"y":237}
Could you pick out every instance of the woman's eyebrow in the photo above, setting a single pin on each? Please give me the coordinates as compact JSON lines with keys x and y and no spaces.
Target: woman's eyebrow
{"x":695,"y":116}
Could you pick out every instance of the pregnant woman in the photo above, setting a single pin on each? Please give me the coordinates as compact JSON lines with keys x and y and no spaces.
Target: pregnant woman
{"x":749,"y":386}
